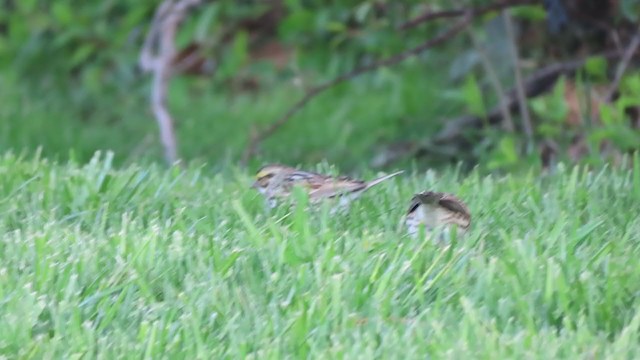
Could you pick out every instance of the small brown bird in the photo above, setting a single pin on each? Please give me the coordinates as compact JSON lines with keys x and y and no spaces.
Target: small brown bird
{"x":435,"y":211}
{"x":277,"y":181}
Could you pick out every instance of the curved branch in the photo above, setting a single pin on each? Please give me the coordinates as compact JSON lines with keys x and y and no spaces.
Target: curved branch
{"x":433,"y":15}
{"x":156,"y":55}
{"x":315,"y":91}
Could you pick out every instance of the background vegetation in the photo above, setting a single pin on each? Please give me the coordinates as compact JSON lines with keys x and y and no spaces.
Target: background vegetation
{"x":530,"y":114}
{"x":73,"y":85}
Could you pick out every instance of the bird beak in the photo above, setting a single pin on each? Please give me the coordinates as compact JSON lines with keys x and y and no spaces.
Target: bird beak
{"x":255,"y":184}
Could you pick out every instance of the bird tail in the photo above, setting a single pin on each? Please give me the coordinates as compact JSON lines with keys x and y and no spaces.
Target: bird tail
{"x":382,"y":178}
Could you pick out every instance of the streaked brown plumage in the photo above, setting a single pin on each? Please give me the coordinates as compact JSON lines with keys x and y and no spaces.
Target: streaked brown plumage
{"x":437,"y":210}
{"x":277,"y":181}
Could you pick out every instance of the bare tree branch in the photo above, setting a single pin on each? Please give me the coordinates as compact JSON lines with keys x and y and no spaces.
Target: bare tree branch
{"x":520,"y":86}
{"x":156,"y":56}
{"x":538,"y":83}
{"x":495,"y":82}
{"x":258,"y":137}
{"x":452,"y":138}
{"x":624,"y":63}
{"x":433,"y":15}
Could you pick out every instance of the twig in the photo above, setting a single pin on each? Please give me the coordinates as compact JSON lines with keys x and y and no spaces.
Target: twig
{"x":495,"y":82}
{"x":315,"y":91}
{"x":520,"y":90}
{"x":624,"y":63}
{"x":433,"y":15}
{"x":156,"y":56}
{"x":453,"y":135}
{"x":538,"y":83}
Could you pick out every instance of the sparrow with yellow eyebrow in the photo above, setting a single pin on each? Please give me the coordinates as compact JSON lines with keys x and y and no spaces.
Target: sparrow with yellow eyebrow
{"x":277,"y":181}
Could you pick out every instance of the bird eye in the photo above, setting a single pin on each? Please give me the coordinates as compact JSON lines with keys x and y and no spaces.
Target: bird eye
{"x":414,"y":206}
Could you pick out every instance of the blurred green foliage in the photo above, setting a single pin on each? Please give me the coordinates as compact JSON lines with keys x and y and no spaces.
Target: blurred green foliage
{"x":72,"y":82}
{"x":53,"y":40}
{"x":99,"y":42}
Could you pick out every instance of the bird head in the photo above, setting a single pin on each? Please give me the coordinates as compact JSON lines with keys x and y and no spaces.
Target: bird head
{"x":267,"y":174}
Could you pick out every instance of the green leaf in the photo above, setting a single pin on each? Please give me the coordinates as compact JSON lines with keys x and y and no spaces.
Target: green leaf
{"x":297,"y":22}
{"x":529,"y":12}
{"x":240,"y":47}
{"x":630,"y":9}
{"x":362,"y":11}
{"x":631,"y":84}
{"x":596,"y":66}
{"x":236,"y":56}
{"x":508,"y":148}
{"x":626,"y":101}
{"x":552,"y":107}
{"x":473,"y":96}
{"x":622,"y":136}
{"x":62,"y":12}
{"x":335,"y":26}
{"x":26,"y":6}
{"x":607,"y":114}
{"x":505,"y":154}
{"x":81,"y":54}
{"x":206,"y":21}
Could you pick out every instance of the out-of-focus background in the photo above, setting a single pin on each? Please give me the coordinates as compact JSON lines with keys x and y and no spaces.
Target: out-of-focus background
{"x":503,"y":85}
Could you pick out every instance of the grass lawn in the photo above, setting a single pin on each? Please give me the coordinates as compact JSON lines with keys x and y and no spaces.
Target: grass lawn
{"x":98,"y":261}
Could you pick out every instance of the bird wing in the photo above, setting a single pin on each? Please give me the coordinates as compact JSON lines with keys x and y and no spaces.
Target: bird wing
{"x":447,"y":201}
{"x":304,"y":179}
{"x":332,"y":187}
{"x":321,"y":186}
{"x":415,"y":203}
{"x":454,"y":204}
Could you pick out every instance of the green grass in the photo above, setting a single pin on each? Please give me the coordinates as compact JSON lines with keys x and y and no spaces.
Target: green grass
{"x":99,"y":262}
